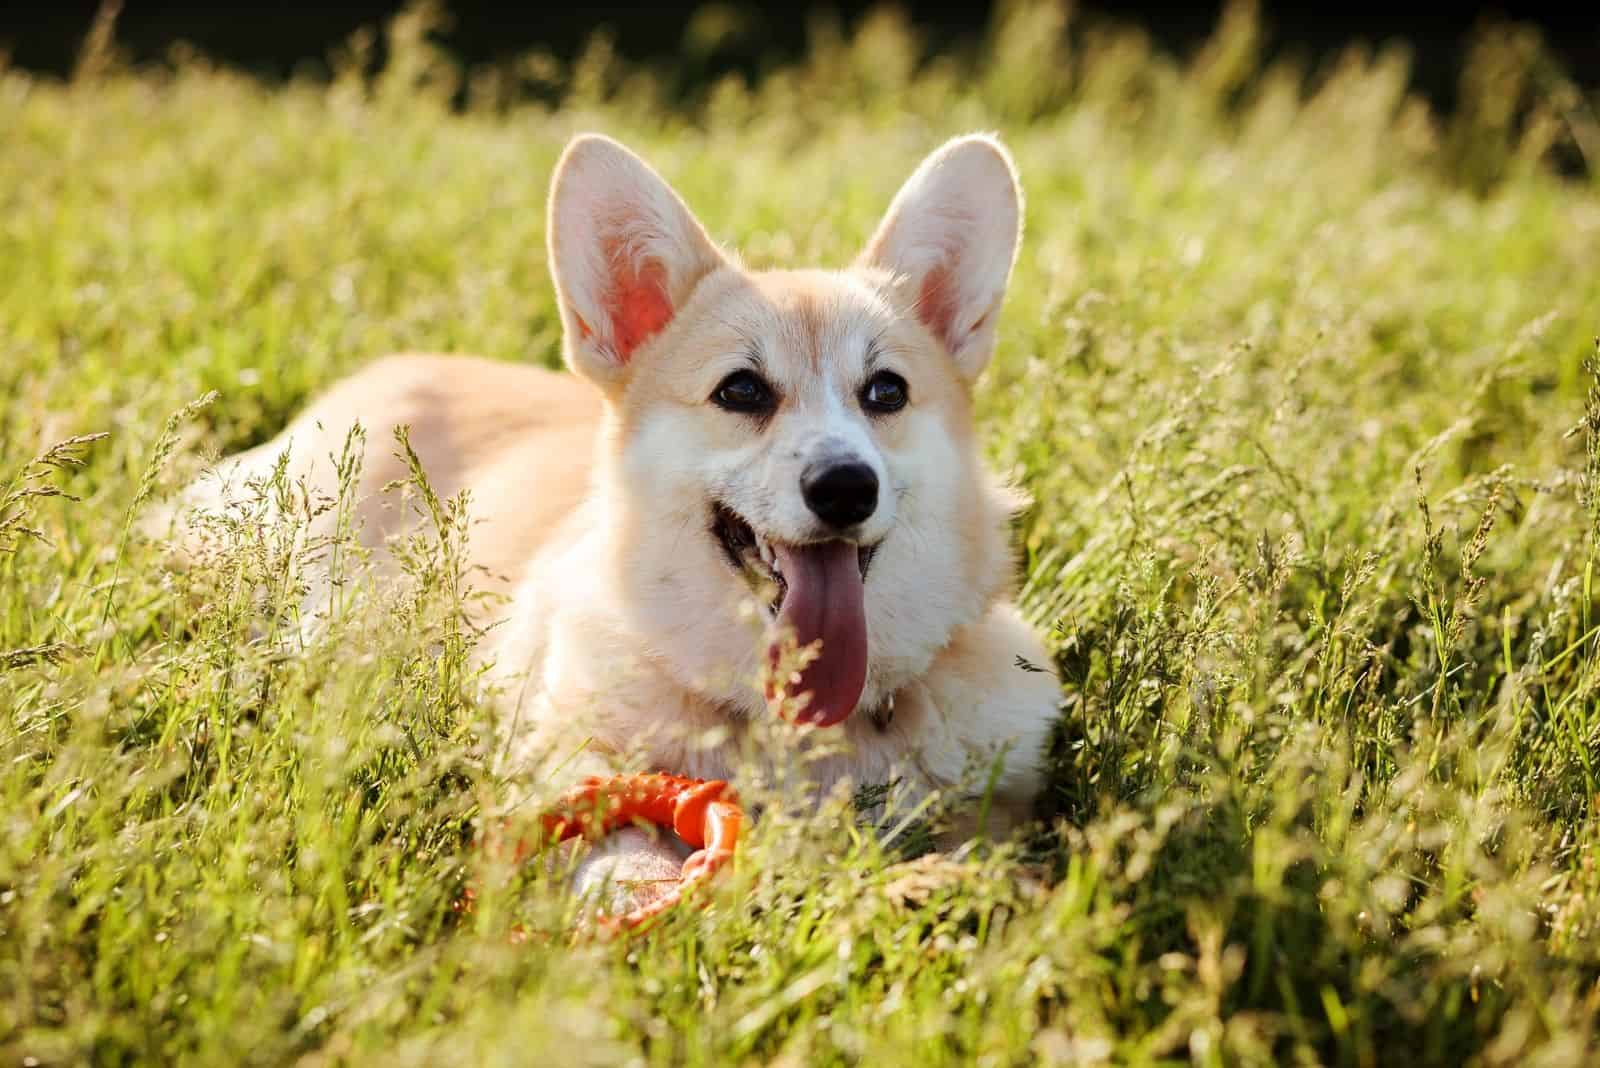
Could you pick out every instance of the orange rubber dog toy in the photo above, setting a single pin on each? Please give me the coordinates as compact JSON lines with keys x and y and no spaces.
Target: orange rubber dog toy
{"x":704,"y":814}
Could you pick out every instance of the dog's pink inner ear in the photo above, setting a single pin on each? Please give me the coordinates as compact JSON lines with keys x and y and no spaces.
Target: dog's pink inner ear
{"x":637,"y":303}
{"x":936,"y":305}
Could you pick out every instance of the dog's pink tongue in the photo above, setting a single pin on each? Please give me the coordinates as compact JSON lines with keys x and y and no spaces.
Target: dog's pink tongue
{"x":825,"y":600}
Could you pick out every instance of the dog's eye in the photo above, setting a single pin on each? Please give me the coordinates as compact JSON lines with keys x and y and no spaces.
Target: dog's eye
{"x":743,"y":391}
{"x":884,"y":392}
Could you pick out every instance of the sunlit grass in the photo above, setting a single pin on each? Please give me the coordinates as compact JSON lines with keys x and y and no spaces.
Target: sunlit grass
{"x":1295,"y":370}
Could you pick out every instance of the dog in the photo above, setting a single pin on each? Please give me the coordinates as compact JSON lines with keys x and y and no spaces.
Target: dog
{"x":742,"y":470}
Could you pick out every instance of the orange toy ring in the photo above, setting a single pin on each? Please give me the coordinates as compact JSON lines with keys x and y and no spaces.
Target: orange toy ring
{"x":704,"y":814}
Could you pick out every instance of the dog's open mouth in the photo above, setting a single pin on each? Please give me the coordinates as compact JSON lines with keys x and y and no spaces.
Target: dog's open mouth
{"x":755,"y":558}
{"x":814,"y":592}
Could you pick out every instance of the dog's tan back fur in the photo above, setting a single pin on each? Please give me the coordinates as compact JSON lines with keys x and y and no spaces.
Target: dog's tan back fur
{"x":484,"y":426}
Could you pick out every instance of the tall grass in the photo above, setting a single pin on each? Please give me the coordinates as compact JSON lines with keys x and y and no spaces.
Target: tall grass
{"x":1300,"y":376}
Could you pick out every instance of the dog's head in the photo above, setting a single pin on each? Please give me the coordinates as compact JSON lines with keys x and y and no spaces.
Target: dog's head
{"x":798,"y":440}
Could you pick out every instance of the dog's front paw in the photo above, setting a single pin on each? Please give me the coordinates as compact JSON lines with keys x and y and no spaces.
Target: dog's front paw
{"x":628,"y":869}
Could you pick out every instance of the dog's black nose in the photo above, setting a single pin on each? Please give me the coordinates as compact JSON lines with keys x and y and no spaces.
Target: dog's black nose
{"x":841,"y":494}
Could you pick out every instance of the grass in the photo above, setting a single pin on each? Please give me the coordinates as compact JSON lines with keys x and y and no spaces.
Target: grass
{"x":1299,"y":374}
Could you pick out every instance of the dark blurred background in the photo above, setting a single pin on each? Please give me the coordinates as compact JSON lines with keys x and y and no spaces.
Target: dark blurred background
{"x":280,"y":39}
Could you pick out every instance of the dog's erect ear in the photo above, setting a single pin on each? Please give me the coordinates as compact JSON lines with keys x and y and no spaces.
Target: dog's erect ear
{"x":951,"y":236}
{"x":625,"y":252}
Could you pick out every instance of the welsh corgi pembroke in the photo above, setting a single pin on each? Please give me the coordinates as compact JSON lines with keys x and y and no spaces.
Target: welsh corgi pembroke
{"x":756,"y":494}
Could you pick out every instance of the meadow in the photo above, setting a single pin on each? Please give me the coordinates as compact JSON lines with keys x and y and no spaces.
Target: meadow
{"x":1299,"y":372}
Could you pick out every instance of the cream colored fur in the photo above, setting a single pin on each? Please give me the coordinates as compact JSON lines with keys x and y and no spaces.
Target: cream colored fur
{"x":628,"y":638}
